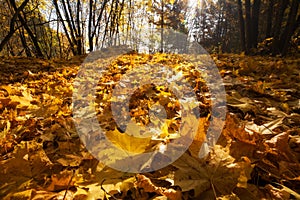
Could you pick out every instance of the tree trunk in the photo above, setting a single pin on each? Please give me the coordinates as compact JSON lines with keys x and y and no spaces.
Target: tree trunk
{"x":34,"y":39}
{"x":248,"y":26}
{"x":277,"y":27}
{"x":64,"y":26}
{"x":79,"y":34}
{"x":162,"y":28}
{"x":99,"y":19}
{"x":288,"y":31}
{"x":12,"y":29}
{"x":24,"y":43}
{"x":71,"y":25}
{"x":91,"y":14}
{"x":242,"y":25}
{"x":269,"y":18}
{"x":254,"y":22}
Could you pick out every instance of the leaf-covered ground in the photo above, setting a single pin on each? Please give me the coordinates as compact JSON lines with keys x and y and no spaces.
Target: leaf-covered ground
{"x":257,"y":155}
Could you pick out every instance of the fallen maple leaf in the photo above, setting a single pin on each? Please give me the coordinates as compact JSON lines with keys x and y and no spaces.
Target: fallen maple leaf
{"x":220,"y":172}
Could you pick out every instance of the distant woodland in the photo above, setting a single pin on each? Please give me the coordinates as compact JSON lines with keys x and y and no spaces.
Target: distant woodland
{"x":65,"y":28}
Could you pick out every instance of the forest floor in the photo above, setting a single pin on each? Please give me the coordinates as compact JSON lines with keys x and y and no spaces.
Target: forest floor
{"x":257,"y":155}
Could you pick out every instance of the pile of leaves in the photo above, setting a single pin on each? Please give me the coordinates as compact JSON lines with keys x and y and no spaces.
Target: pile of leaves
{"x":257,"y":155}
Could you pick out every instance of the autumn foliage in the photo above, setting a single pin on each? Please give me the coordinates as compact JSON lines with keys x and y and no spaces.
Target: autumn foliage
{"x":256,"y":157}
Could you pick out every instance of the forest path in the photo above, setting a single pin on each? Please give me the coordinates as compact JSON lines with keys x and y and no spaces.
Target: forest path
{"x":259,"y":149}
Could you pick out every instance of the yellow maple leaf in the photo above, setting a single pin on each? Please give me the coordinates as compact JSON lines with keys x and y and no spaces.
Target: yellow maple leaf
{"x":128,"y":143}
